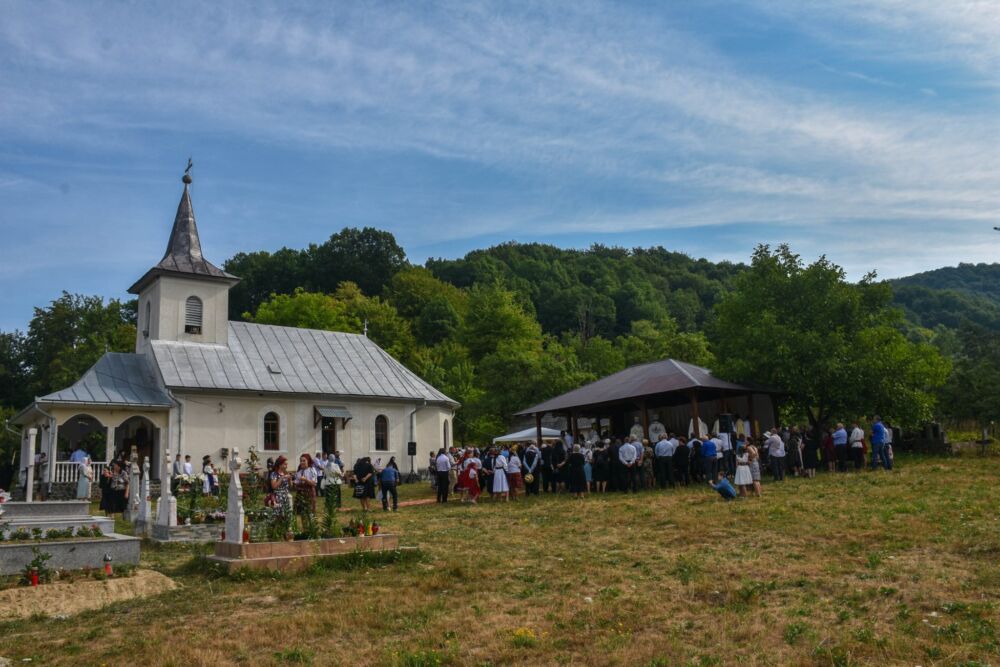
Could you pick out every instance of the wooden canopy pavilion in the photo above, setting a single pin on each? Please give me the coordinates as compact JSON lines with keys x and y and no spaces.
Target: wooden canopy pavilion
{"x":679,"y":395}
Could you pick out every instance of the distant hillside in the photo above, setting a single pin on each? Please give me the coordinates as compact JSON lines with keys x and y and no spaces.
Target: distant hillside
{"x":952,"y":295}
{"x":981,"y":279}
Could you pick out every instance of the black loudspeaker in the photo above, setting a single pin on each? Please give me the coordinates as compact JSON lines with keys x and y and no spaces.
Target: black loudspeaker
{"x":411,"y":449}
{"x":726,"y":423}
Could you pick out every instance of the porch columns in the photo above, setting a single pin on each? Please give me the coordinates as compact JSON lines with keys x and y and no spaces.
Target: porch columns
{"x":109,"y":444}
{"x":538,"y":430}
{"x":695,"y":419}
{"x":645,"y":419}
{"x":53,"y":452}
{"x":29,"y":489}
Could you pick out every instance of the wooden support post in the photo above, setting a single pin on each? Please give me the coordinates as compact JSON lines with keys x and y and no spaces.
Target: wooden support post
{"x":645,"y":419}
{"x":573,"y":426}
{"x":538,"y":430}
{"x":695,"y":419}
{"x":751,"y":427}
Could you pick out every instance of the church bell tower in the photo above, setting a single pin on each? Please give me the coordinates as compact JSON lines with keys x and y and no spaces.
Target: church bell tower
{"x":184,"y":297}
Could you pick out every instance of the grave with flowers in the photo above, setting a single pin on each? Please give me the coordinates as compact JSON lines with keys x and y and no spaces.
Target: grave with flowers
{"x":258,"y":536}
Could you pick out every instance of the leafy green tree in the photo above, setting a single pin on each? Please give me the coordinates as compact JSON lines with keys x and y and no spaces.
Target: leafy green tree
{"x":71,"y":334}
{"x":262,"y":274}
{"x":831,"y":344}
{"x":310,"y":310}
{"x":414,"y":287}
{"x":347,"y":310}
{"x":974,"y":384}
{"x":651,"y":342}
{"x":598,"y":356}
{"x":495,"y":316}
{"x":14,"y":390}
{"x":437,"y":321}
{"x":368,"y":257}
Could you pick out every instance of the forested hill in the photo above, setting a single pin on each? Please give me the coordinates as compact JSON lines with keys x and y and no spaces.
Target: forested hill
{"x":976,"y":279}
{"x":952,"y":296}
{"x":599,"y":291}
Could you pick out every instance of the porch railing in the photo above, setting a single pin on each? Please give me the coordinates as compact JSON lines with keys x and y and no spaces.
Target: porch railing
{"x":67,"y":471}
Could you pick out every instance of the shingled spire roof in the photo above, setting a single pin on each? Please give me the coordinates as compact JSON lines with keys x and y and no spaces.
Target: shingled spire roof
{"x":183,"y":256}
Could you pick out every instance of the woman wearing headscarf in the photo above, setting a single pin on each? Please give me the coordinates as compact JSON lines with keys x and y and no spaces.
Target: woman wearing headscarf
{"x":279,"y":482}
{"x":306,"y":481}
{"x":500,"y":486}
{"x":364,"y":475}
{"x":119,"y":488}
{"x":576,"y":478}
{"x":208,"y":470}
{"x":85,"y":480}
{"x":105,"y":485}
{"x":601,"y":466}
{"x":470,"y":475}
{"x":514,"y":479}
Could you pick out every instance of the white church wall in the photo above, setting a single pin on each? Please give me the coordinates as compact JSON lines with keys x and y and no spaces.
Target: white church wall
{"x":212,"y":422}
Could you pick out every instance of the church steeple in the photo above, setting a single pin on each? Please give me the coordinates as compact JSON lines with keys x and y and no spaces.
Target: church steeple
{"x":183,"y":255}
{"x":185,"y":297}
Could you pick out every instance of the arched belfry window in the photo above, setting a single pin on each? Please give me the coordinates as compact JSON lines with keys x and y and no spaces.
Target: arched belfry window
{"x":381,"y":433}
{"x":147,"y":324}
{"x":192,"y":315}
{"x":447,"y":435}
{"x":272,"y":431}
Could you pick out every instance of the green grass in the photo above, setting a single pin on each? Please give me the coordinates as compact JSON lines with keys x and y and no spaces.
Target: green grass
{"x":862,"y":569}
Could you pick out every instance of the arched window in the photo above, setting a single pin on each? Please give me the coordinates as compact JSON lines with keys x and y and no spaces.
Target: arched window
{"x":147,"y":324}
{"x":381,"y":433}
{"x":192,"y":315}
{"x":272,"y":431}
{"x":447,"y":435}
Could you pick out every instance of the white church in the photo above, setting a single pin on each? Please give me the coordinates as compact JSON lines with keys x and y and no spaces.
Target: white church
{"x":201,"y":384}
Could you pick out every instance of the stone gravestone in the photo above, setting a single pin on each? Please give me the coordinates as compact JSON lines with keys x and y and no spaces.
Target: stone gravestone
{"x":144,"y":520}
{"x":132,"y":509}
{"x":166,"y":516}
{"x":234,"y":508}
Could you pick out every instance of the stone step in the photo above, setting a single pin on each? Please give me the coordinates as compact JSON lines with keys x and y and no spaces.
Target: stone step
{"x":19,"y":510}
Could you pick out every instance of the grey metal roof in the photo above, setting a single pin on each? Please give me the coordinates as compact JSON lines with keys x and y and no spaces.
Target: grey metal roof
{"x":266,"y":358}
{"x":183,"y":255}
{"x":116,"y":379}
{"x":658,"y":377}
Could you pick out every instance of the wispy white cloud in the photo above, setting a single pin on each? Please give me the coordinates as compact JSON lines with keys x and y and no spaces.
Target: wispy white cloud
{"x":559,"y":96}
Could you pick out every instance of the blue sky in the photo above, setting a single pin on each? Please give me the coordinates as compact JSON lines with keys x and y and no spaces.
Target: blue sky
{"x":868,"y":131}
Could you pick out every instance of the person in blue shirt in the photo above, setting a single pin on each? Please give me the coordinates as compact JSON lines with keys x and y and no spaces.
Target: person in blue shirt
{"x":840,"y":447}
{"x":879,"y":456}
{"x":709,"y":459}
{"x":724,"y":488}
{"x":389,"y":477}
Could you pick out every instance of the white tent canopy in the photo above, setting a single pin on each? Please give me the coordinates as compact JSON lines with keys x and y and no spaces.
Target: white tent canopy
{"x":528,"y":434}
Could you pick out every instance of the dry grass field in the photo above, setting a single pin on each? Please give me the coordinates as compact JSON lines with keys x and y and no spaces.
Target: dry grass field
{"x":860,"y":569}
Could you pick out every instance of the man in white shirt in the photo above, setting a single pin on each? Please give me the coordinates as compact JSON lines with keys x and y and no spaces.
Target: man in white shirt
{"x":663,"y":460}
{"x":188,"y":468}
{"x":628,"y":457}
{"x":857,"y":445}
{"x":725,"y":449}
{"x":442,"y":468}
{"x":776,"y":454}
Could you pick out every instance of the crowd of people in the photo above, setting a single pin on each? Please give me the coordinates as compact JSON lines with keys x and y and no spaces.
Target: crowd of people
{"x":732,"y":463}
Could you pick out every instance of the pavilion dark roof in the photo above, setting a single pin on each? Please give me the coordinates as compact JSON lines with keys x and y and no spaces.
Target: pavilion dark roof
{"x":183,"y":256}
{"x":658,"y":377}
